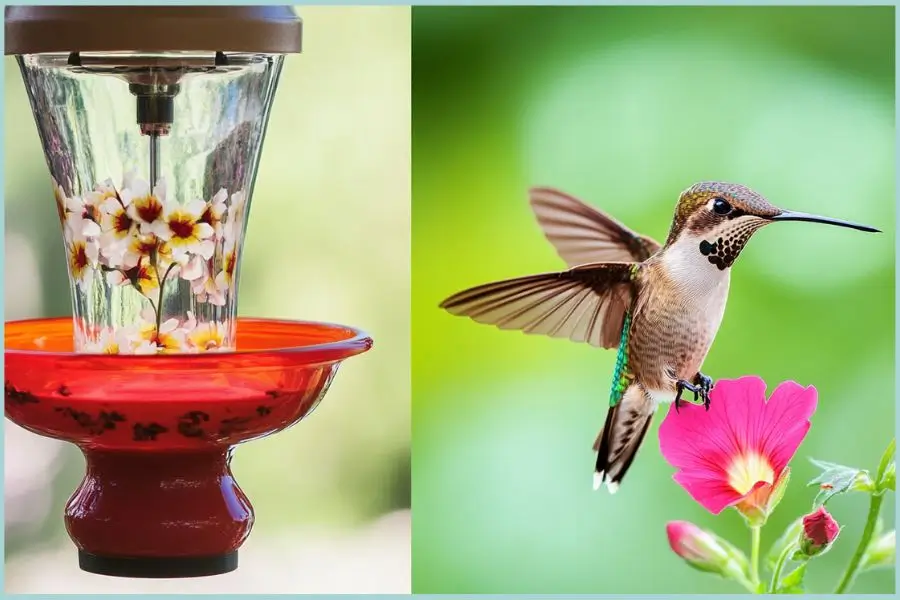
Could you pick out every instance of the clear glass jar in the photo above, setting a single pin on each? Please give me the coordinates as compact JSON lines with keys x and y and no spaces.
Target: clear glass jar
{"x":153,"y":159}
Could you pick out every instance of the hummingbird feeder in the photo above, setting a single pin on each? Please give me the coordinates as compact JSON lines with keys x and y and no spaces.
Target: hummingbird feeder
{"x":152,"y":120}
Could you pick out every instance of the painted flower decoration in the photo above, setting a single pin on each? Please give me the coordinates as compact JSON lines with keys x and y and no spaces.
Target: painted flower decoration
{"x":145,"y":206}
{"x":60,"y":194}
{"x":110,"y":341}
{"x":206,"y":337}
{"x":225,"y":279}
{"x":143,"y":276}
{"x":214,"y":212}
{"x":737,"y":453}
{"x":185,"y":233}
{"x":82,"y":217}
{"x":83,"y":256}
{"x":167,"y":338}
{"x":118,"y":230}
{"x":140,"y":242}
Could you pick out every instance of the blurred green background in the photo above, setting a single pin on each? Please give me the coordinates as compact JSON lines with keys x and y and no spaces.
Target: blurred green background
{"x":328,"y":239}
{"x":625,"y":108}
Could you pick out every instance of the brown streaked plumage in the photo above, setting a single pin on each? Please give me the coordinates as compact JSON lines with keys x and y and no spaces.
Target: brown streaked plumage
{"x":661,"y":305}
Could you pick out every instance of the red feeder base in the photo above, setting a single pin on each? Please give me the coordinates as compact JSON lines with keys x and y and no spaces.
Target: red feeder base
{"x":158,"y":499}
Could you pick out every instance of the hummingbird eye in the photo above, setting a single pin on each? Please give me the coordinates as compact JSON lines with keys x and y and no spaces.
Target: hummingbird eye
{"x":721,"y":207}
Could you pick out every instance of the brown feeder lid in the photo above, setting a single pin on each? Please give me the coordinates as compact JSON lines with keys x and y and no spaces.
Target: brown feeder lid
{"x":263,"y":29}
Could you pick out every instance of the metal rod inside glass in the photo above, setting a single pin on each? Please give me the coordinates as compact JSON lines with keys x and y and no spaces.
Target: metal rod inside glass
{"x":154,"y":159}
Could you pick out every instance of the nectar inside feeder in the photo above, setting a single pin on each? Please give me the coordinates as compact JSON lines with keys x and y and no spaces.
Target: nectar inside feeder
{"x":152,"y":120}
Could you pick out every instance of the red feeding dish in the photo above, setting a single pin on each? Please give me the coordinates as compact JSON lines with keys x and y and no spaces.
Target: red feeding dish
{"x":158,"y":498}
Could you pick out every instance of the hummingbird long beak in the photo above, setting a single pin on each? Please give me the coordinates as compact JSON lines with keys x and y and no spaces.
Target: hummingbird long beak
{"x":789,"y":215}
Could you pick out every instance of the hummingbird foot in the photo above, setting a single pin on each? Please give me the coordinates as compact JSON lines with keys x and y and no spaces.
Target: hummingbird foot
{"x":704,"y":384}
{"x":680,"y":386}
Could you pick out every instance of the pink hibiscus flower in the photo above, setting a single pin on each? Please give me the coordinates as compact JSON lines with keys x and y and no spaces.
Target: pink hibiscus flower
{"x":737,"y":453}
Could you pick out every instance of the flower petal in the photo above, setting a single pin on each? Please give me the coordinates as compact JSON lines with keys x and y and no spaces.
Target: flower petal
{"x":111,"y":206}
{"x":206,"y":248}
{"x":713,"y":494}
{"x":168,"y":326}
{"x":89,"y":228}
{"x":708,"y":440}
{"x":220,"y":197}
{"x":194,"y":208}
{"x":92,"y":250}
{"x":160,"y":230}
{"x":159,"y":190}
{"x":115,"y":277}
{"x":204,"y":230}
{"x":785,"y":422}
{"x":194,"y":269}
{"x":739,"y":426}
{"x":74,"y":205}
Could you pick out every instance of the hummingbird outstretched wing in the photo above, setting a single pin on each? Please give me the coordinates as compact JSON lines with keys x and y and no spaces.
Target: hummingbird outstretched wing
{"x":582,"y":234}
{"x":584,"y":304}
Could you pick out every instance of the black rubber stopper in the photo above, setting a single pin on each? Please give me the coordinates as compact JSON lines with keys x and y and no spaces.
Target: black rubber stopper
{"x":158,"y":567}
{"x":155,"y":109}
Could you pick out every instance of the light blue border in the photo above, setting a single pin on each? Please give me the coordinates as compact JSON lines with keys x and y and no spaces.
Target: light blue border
{"x":476,"y":3}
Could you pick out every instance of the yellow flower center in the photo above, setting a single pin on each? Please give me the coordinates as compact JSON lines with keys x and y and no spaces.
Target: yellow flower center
{"x":78,"y":258}
{"x":207,"y":337}
{"x":147,"y":332}
{"x":168,"y":343}
{"x":148,"y":208}
{"x":121,"y":223}
{"x":747,"y":470}
{"x":145,"y":278}
{"x":230,"y":264}
{"x":183,"y":227}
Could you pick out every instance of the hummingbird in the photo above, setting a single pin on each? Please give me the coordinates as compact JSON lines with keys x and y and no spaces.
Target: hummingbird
{"x":660,"y":305}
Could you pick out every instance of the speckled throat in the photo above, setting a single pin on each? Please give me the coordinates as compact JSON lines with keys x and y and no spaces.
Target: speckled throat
{"x":723,"y":250}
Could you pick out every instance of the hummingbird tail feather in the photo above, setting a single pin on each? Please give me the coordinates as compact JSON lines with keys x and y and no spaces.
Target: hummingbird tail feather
{"x":622,"y":434}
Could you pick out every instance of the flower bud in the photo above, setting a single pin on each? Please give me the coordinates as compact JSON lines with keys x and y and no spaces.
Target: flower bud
{"x":819,"y":532}
{"x":704,"y":550}
{"x":880,"y":552}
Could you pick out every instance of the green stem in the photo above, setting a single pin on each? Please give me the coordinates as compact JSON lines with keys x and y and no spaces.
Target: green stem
{"x":159,"y":302}
{"x":779,"y":566}
{"x":748,"y":585}
{"x":853,"y":567}
{"x":754,"y":555}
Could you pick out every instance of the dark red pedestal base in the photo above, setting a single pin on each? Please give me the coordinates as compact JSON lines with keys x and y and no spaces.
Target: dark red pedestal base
{"x":158,"y":514}
{"x":157,"y":567}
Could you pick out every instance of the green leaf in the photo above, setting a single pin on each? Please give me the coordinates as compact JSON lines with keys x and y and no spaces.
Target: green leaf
{"x":887,"y":469}
{"x":837,"y":479}
{"x":792,"y":583}
{"x":889,"y":479}
{"x":886,"y":458}
{"x":791,"y":535}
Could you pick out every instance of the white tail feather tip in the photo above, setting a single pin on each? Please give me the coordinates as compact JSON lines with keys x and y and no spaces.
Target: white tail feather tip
{"x":612,"y":487}
{"x":598,"y":481}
